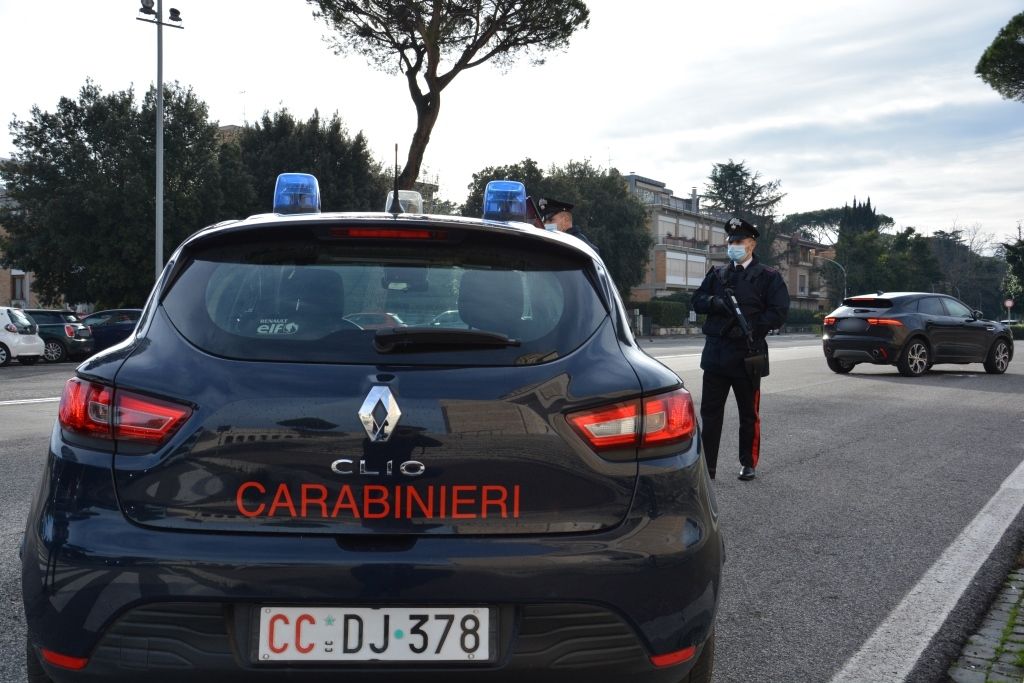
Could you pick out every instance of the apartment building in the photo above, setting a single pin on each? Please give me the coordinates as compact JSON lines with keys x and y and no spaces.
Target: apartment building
{"x":689,"y":239}
{"x":15,"y":284}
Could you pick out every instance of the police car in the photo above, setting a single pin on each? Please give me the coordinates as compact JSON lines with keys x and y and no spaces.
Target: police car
{"x":253,"y":488}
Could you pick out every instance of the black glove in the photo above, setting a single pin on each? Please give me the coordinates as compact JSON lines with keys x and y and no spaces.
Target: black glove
{"x":719,"y":305}
{"x":735,"y":332}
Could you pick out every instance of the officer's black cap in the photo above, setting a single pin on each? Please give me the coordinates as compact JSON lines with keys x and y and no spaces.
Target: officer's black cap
{"x":549,"y":207}
{"x":737,"y":229}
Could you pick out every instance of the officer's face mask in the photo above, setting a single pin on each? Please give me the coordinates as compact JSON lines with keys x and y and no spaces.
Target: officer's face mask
{"x":553,"y":227}
{"x":737,"y":253}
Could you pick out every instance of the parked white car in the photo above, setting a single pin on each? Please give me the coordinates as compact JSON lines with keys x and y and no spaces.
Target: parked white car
{"x":19,"y":337}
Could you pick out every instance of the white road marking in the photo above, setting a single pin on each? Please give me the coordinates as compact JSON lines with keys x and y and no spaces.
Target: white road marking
{"x":26,"y":401}
{"x":894,"y":648}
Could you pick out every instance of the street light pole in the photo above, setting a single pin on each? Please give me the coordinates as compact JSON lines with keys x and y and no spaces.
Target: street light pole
{"x":840,"y":268}
{"x":175,"y":15}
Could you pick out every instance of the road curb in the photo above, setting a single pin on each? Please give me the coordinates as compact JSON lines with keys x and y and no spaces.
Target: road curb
{"x":995,"y":653}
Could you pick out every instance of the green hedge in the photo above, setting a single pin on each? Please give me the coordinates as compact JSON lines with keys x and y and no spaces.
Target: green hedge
{"x":663,"y":313}
{"x":802,"y":316}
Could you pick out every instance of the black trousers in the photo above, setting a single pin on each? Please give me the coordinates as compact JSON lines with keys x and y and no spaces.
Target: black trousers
{"x":712,"y":410}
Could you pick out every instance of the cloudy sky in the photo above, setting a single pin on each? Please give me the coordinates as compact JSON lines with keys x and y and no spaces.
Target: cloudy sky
{"x":837,"y":99}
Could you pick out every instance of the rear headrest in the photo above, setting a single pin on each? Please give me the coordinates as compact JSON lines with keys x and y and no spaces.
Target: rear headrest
{"x":313,"y":290}
{"x":492,"y":300}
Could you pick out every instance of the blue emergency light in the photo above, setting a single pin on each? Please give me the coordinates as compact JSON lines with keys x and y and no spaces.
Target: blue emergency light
{"x":505,"y":200}
{"x":296,"y":193}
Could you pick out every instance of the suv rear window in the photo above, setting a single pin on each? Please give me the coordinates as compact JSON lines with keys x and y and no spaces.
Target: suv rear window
{"x":53,"y":317}
{"x":867,"y":302}
{"x":309,"y":300}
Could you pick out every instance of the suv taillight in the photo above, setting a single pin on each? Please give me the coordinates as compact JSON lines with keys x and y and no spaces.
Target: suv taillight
{"x":98,"y":411}
{"x":666,"y":419}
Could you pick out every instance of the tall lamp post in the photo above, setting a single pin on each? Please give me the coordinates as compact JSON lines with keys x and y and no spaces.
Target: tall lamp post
{"x":840,"y":268}
{"x":158,"y":19}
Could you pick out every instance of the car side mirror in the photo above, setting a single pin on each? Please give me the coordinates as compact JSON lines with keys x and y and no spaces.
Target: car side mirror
{"x":977,"y":315}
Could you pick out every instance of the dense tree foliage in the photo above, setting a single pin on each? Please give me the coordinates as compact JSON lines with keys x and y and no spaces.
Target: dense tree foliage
{"x":1002,"y":63}
{"x":1013,"y":282}
{"x":431,"y":41}
{"x":739,"y":191}
{"x":81,"y":185}
{"x":613,"y":219}
{"x":81,"y":182}
{"x":823,"y":226}
{"x":350,"y":179}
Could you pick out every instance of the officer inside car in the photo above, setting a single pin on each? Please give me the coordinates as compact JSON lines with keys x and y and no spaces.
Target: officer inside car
{"x":735,"y":352}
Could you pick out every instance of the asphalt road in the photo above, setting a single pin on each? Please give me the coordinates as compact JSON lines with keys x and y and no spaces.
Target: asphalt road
{"x":864,"y":481}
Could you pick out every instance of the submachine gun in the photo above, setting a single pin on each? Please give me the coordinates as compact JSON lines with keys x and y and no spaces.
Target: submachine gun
{"x":756,"y":361}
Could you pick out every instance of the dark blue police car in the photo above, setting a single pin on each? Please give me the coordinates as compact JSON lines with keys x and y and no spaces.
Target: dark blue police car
{"x":256,"y":489}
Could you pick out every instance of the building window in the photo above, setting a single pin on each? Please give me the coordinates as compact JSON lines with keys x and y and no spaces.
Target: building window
{"x":803,"y":285}
{"x":18,"y":287}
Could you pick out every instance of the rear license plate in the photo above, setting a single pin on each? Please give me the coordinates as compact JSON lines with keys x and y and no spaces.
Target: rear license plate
{"x":387,"y":634}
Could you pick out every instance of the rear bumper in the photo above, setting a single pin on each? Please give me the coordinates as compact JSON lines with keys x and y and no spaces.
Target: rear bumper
{"x":86,"y":570}
{"x":80,"y":348}
{"x":26,"y":345}
{"x":861,"y":349}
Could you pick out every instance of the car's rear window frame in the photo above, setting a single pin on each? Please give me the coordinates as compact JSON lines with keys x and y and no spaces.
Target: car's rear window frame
{"x":523,"y":250}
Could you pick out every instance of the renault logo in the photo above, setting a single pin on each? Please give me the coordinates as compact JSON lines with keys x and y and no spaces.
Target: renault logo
{"x":379,"y":414}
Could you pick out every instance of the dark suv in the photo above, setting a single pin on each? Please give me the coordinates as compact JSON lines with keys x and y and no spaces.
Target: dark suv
{"x":64,"y":335}
{"x":913,"y":331}
{"x":112,"y":326}
{"x":253,"y":488}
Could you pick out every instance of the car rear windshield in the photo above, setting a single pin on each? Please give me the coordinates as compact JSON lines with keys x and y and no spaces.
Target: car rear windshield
{"x":867,"y":302}
{"x":18,"y":318}
{"x":53,"y":317}
{"x":312,"y":300}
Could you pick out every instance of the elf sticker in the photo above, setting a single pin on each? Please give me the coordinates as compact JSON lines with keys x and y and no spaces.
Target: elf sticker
{"x":277,"y":326}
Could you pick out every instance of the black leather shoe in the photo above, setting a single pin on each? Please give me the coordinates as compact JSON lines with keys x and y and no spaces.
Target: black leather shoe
{"x":746,"y":473}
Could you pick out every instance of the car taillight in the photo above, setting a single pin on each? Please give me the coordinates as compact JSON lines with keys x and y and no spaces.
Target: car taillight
{"x":10,"y":328}
{"x":668,"y":418}
{"x":609,"y":427}
{"x":655,"y":421}
{"x":885,"y":322}
{"x":98,"y":411}
{"x":141,"y":418}
{"x":85,"y":408}
{"x":69,"y":330}
{"x":830,"y":320}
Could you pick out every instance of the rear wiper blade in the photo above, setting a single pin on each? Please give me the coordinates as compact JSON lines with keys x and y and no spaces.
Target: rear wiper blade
{"x":426,"y":338}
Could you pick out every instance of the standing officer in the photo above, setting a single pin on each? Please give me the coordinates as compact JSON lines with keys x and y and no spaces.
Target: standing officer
{"x":730,"y":359}
{"x":558,"y":216}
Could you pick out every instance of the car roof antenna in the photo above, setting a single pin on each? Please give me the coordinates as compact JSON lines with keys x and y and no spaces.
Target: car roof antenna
{"x":396,"y":205}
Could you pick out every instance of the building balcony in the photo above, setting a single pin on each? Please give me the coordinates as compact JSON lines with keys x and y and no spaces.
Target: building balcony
{"x":686,"y":242}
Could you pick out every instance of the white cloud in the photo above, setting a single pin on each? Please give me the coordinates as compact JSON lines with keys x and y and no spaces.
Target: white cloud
{"x":842,"y":98}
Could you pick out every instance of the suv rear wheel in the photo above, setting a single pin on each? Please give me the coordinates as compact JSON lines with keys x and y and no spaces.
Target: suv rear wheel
{"x":54,"y":352}
{"x":840,"y":366}
{"x":998,"y":358}
{"x":915,"y":359}
{"x":32,"y":666}
{"x":705,"y":666}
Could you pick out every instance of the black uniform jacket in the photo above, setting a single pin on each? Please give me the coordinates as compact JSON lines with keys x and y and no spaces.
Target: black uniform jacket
{"x":764,"y":301}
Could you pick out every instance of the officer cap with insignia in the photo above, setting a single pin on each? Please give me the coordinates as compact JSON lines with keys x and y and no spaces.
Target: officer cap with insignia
{"x":550,"y":207}
{"x":738,"y":229}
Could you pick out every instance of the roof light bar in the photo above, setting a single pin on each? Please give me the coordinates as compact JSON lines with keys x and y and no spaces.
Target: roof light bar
{"x":296,"y":193}
{"x":505,"y":200}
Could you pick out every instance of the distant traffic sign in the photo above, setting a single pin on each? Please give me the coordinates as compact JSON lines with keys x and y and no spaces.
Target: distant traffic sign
{"x":1008,"y":303}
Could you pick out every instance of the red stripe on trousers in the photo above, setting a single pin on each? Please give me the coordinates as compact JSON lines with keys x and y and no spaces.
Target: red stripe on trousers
{"x":755,"y":449}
